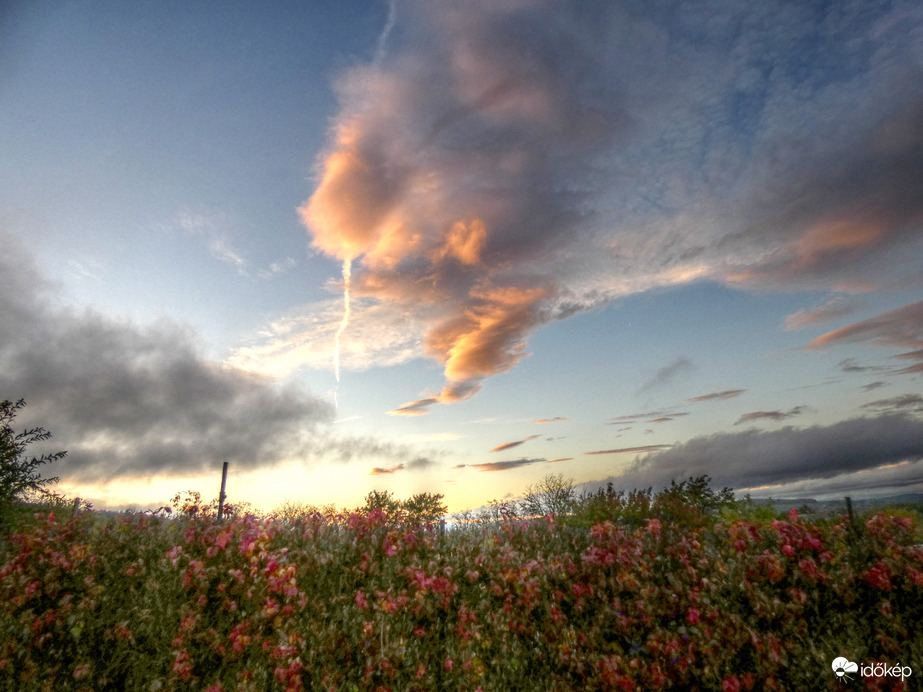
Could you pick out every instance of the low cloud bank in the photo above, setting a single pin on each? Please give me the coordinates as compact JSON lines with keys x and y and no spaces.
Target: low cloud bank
{"x":819,"y":457}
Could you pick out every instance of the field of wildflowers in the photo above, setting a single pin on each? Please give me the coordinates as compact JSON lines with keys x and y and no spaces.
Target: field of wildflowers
{"x":368,"y":601}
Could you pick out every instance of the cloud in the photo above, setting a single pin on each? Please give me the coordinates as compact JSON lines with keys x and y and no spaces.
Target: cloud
{"x":632,"y":450}
{"x":911,"y":402}
{"x":219,"y":246}
{"x":556,"y":419}
{"x":771,"y":415}
{"x":667,"y":374}
{"x":647,"y":416}
{"x":378,"y":336}
{"x":850,"y":365}
{"x":873,"y":385}
{"x":510,"y":445}
{"x":555,"y":461}
{"x":127,"y":399}
{"x":911,"y":369}
{"x":504,"y":465}
{"x":726,"y":394}
{"x":413,"y":408}
{"x":382,"y":471}
{"x":503,"y":165}
{"x":755,"y":458}
{"x":831,"y":310}
{"x":898,"y":328}
{"x":416,"y":464}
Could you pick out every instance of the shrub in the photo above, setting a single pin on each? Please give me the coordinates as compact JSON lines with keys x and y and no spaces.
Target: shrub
{"x":20,"y":476}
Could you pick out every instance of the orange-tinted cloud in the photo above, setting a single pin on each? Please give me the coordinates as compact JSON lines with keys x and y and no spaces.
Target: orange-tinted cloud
{"x":381,"y":471}
{"x":555,"y":461}
{"x":510,"y":445}
{"x":464,"y":242}
{"x":413,"y":408}
{"x":556,"y":419}
{"x":832,"y":309}
{"x":898,"y":328}
{"x":477,"y":176}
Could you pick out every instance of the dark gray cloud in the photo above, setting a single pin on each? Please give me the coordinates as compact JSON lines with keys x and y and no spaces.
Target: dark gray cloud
{"x":770,"y":415}
{"x":134,"y":400}
{"x":648,"y":416}
{"x":850,"y":365}
{"x":632,"y":450}
{"x":758,"y":458}
{"x":725,"y":394}
{"x":905,"y":402}
{"x":667,"y":374}
{"x":505,"y":465}
{"x":416,"y":464}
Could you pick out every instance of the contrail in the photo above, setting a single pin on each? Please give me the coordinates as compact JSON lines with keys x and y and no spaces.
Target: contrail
{"x":383,"y":37}
{"x":347,"y":272}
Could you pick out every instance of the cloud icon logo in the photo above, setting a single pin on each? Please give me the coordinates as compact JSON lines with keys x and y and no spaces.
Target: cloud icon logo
{"x":841,"y":666}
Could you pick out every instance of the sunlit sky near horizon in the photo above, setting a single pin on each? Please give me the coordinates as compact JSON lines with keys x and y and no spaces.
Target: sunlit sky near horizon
{"x":625,"y":241}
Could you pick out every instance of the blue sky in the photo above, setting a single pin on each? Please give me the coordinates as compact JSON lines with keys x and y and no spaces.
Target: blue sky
{"x":623,"y":242}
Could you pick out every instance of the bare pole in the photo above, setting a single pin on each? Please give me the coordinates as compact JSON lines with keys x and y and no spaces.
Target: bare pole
{"x":221,"y":495}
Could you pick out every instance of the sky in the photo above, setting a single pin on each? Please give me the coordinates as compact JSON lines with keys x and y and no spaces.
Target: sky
{"x":455,"y":247}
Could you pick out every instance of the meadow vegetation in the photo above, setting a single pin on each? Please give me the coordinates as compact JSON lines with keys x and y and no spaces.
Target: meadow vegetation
{"x":688,"y":588}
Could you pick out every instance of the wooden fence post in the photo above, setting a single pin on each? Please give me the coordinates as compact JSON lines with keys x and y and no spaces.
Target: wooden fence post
{"x":76,"y":507}
{"x":221,"y":495}
{"x":852,"y":516}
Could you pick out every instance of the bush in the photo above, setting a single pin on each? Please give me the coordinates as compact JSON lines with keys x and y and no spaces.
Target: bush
{"x":19,"y":475}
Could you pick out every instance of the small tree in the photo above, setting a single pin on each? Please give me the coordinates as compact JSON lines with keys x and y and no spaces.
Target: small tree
{"x":552,"y":495}
{"x":424,"y":508}
{"x":19,"y":475}
{"x":381,"y":499}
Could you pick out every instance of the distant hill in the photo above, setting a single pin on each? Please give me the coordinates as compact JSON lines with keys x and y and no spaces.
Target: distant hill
{"x":838,"y":506}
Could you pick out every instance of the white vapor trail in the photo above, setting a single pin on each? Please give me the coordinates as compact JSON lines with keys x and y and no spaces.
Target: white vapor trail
{"x":385,"y":32}
{"x":347,"y":272}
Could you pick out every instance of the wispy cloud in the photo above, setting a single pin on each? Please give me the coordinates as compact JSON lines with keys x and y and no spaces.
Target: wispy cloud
{"x":667,"y":374}
{"x":725,"y":394}
{"x":908,"y":402}
{"x":378,"y":335}
{"x":209,"y":227}
{"x":278,"y":267}
{"x":770,"y":415}
{"x":645,"y":449}
{"x":898,"y":328}
{"x":647,"y":417}
{"x":831,"y":310}
{"x":413,"y":408}
{"x":504,"y":465}
{"x":510,"y":445}
{"x":556,"y":419}
{"x":851,"y":365}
